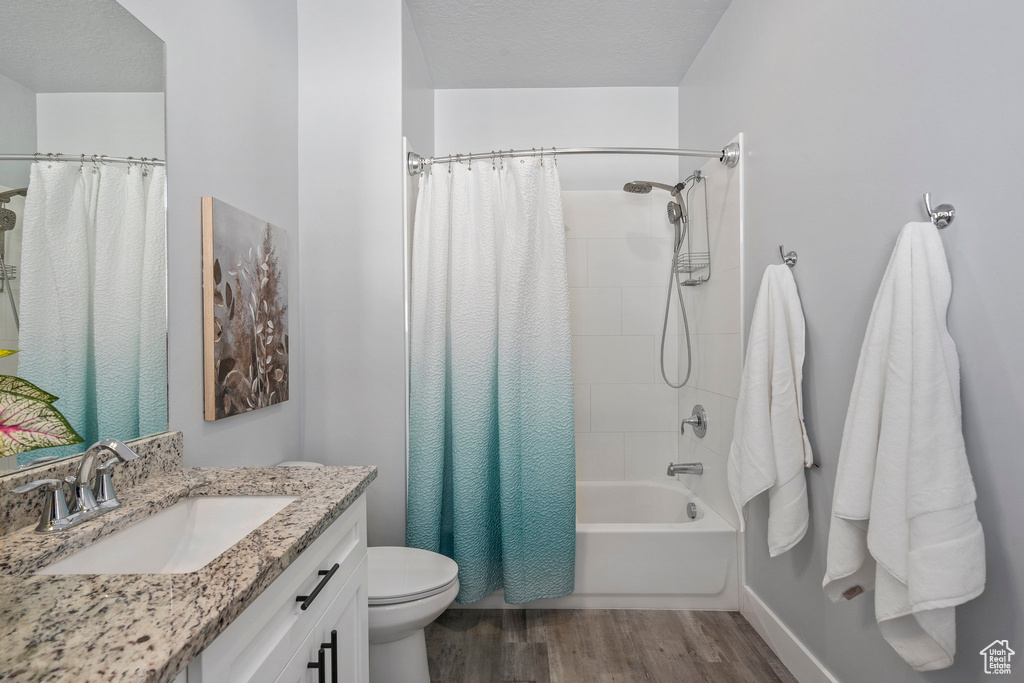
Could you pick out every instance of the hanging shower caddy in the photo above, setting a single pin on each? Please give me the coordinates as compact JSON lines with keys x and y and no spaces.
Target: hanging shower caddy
{"x":692,"y":261}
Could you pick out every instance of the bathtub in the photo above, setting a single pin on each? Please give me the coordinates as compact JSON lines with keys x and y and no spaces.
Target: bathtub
{"x":636,"y":548}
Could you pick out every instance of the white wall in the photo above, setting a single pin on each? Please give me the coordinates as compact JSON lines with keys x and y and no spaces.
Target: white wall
{"x":350,"y":198}
{"x":231,"y":133}
{"x":850,"y":112}
{"x":523,"y":118}
{"x":417,"y":91}
{"x":17,"y":131}
{"x":118,"y":124}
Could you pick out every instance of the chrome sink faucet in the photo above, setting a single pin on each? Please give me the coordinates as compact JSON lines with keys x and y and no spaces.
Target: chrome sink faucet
{"x":675,"y":468}
{"x":89,"y":502}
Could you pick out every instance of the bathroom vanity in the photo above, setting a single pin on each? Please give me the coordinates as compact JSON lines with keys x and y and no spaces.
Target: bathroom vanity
{"x":262,"y":610}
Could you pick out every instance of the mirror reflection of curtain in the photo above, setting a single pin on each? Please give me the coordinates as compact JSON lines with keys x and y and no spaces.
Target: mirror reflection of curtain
{"x":93,"y":302}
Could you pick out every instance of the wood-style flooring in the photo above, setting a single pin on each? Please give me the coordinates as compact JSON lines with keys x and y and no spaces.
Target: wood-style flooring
{"x":598,"y":646}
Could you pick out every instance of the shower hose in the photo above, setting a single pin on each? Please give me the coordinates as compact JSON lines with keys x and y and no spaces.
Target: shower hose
{"x":673,"y":276}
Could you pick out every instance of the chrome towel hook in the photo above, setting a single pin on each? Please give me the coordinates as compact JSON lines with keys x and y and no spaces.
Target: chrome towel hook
{"x":788,"y":257}
{"x":942,"y":215}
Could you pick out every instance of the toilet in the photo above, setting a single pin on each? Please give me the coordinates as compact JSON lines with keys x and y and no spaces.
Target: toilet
{"x":408,"y":589}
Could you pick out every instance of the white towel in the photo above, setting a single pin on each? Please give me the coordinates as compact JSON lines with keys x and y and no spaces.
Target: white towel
{"x":770,"y":448}
{"x":903,"y":516}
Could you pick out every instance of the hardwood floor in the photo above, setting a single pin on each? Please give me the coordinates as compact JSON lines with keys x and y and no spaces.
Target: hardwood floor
{"x":598,"y":646}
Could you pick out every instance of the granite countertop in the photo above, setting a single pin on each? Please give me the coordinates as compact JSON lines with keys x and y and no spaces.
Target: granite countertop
{"x":148,"y":627}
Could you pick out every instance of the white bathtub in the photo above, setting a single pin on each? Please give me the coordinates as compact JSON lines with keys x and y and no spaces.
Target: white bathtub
{"x":636,"y":548}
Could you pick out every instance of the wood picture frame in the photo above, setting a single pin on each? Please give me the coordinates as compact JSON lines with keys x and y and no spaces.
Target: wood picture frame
{"x":245,"y":312}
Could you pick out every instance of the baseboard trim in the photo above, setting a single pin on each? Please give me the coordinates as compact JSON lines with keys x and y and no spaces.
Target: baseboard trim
{"x":804,"y":666}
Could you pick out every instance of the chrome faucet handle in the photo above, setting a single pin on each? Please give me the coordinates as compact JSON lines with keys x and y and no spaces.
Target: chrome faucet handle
{"x":106,"y":498}
{"x":698,"y":420}
{"x":55,"y":516}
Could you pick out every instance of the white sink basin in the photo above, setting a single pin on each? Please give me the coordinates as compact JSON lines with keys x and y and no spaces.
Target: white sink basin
{"x":183,"y":538}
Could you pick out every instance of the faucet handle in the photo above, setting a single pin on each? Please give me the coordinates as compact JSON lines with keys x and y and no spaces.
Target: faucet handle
{"x":108,"y":465}
{"x":33,"y":485}
{"x":106,"y":498}
{"x":55,"y":515}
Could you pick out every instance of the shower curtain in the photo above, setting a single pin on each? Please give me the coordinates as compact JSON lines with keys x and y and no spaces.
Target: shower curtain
{"x":491,"y":444}
{"x":93,"y":299}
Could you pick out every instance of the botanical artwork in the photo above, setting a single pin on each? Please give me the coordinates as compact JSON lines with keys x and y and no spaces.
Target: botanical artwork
{"x":245,"y":311}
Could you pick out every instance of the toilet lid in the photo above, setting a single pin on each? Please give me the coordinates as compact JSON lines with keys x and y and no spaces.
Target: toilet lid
{"x":406,"y":574}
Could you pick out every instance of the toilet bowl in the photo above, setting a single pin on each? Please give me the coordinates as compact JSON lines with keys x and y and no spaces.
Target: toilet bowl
{"x":408,"y":589}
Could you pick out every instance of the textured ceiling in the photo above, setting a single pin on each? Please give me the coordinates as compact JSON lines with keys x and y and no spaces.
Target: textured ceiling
{"x":562,"y":43}
{"x":78,"y":46}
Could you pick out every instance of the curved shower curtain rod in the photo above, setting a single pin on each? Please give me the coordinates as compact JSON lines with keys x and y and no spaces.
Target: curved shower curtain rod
{"x":94,"y":159}
{"x":729,"y":155}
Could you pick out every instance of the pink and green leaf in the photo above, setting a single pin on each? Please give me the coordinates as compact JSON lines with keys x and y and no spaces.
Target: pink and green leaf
{"x":17,"y":385}
{"x":28,"y":423}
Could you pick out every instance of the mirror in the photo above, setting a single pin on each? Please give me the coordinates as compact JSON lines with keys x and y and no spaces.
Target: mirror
{"x":82,"y":237}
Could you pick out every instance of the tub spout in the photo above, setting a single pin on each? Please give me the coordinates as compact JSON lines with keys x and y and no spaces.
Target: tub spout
{"x":685,"y":468}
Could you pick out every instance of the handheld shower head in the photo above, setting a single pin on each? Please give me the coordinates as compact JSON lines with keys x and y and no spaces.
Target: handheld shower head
{"x":675,"y":212}
{"x":677,"y":217}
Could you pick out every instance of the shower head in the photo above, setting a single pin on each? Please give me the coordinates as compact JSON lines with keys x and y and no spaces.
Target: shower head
{"x":8,"y":219}
{"x":645,"y":186}
{"x":637,"y":187}
{"x":675,"y":212}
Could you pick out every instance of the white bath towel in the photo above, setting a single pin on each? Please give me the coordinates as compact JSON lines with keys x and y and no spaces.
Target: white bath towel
{"x":770,"y":448}
{"x":903,"y":516}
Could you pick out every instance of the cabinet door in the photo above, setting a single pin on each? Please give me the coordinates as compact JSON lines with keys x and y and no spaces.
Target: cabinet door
{"x":257,"y":646}
{"x":348,"y":616}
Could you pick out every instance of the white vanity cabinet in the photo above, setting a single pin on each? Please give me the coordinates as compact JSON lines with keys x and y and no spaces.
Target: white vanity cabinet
{"x":274,"y":639}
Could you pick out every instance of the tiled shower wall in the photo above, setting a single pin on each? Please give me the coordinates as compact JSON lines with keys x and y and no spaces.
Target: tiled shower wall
{"x":619,"y":250}
{"x":627,"y":419}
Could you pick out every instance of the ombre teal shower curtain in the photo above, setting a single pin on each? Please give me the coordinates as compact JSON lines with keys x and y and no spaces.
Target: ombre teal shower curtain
{"x":491,"y":444}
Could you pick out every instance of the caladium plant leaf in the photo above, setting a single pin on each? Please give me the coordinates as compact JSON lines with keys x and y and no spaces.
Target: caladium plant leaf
{"x":29,"y":423}
{"x":17,"y":385}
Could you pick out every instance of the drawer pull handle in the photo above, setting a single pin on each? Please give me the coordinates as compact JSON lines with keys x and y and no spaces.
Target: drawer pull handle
{"x":333,"y":647}
{"x":307,"y":600}
{"x":318,"y":664}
